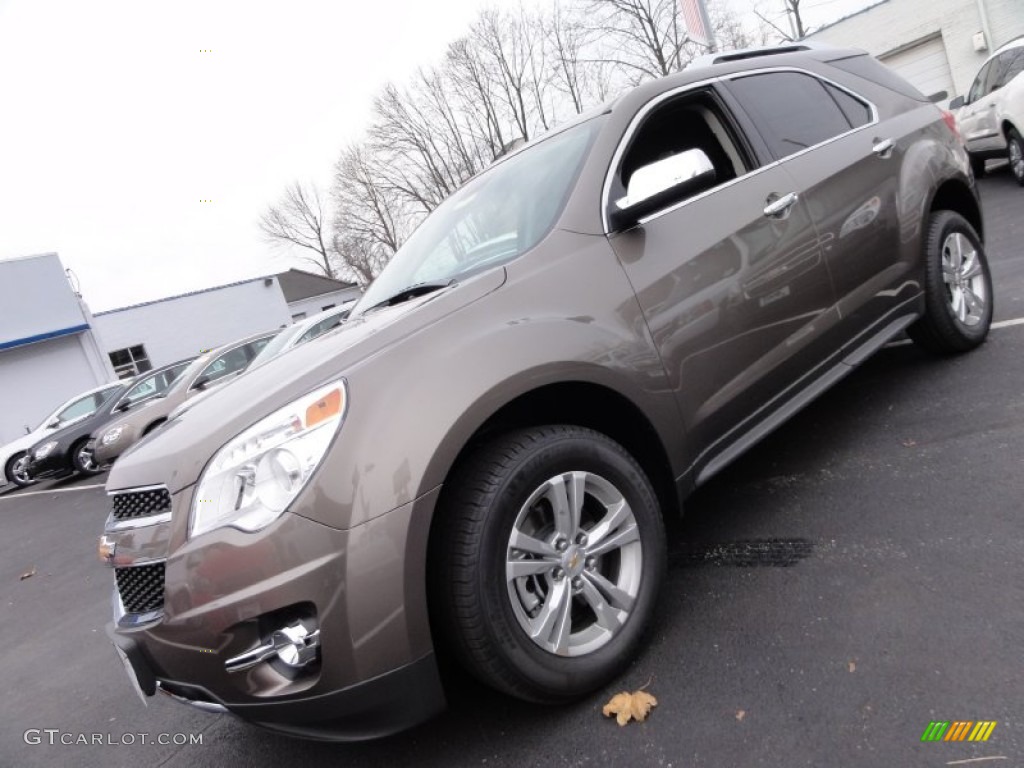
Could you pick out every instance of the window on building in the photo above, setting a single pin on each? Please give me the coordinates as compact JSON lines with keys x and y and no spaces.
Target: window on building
{"x":130,"y":361}
{"x":329,"y":306}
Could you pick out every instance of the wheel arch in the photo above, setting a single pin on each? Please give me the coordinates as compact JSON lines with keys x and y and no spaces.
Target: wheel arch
{"x":955,"y":195}
{"x":584,"y":404}
{"x":153,"y":425}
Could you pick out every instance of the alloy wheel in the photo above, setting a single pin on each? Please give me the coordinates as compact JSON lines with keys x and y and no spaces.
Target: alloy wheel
{"x":574,"y":563}
{"x":20,"y":471}
{"x":962,"y":273}
{"x":86,"y":461}
{"x":1016,"y":155}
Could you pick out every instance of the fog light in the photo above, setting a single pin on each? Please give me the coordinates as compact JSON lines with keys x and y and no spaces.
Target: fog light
{"x":296,"y":645}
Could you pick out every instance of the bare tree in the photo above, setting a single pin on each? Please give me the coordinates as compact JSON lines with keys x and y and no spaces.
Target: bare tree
{"x":298,"y":220}
{"x":370,"y":219}
{"x":514,"y":75}
{"x":645,"y":37}
{"x":797,"y":29}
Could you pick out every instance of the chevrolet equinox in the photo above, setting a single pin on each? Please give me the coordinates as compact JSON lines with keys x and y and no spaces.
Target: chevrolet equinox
{"x":481,"y":458}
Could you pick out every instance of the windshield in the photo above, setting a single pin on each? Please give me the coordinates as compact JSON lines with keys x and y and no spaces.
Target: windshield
{"x":152,"y":385}
{"x":82,"y":406}
{"x":494,"y":218}
{"x":276,"y":345}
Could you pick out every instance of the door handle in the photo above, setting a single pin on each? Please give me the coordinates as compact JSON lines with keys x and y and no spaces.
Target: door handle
{"x":779,"y":209}
{"x":883,"y":147}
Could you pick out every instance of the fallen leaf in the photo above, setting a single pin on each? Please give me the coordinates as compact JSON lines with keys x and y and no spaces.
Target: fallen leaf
{"x":740,"y":714}
{"x":28,"y":575}
{"x":853,"y":666}
{"x":626,"y":706}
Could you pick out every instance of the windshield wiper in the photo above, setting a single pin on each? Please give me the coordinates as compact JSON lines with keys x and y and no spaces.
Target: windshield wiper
{"x":412,"y":292}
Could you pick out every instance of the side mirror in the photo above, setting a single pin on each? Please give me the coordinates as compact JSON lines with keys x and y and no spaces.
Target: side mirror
{"x":938,"y":96}
{"x":123,"y":406}
{"x":957,"y":102}
{"x":53,"y":424}
{"x":661,"y":183}
{"x":201,"y":382}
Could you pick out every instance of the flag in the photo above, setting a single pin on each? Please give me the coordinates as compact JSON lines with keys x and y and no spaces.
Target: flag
{"x":695,"y":17}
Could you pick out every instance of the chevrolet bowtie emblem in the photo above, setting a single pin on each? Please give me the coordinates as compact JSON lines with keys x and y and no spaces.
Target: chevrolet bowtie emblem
{"x":107,"y":548}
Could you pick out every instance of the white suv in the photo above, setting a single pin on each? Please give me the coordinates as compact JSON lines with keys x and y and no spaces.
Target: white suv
{"x":991,"y":118}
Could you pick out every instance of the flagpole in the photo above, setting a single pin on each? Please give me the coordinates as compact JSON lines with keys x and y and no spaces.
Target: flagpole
{"x":702,"y":8}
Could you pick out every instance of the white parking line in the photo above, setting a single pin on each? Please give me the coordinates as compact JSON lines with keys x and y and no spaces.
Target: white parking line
{"x":1008,"y":323}
{"x":7,"y":496}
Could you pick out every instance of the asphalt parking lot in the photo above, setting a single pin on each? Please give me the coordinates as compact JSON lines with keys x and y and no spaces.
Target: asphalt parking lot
{"x":854,"y":577}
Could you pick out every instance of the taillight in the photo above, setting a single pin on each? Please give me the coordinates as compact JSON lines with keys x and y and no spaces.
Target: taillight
{"x":950,"y":120}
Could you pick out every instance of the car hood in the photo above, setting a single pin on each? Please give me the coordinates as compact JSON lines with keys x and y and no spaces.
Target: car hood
{"x":175,"y":454}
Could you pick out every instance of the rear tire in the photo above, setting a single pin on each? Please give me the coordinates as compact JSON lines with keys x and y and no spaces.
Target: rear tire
{"x":546,"y":562}
{"x":15,"y":470}
{"x":1015,"y":154}
{"x":978,"y":166}
{"x":958,"y":287}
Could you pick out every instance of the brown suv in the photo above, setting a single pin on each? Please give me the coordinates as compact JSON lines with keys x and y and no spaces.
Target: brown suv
{"x":480,"y":460}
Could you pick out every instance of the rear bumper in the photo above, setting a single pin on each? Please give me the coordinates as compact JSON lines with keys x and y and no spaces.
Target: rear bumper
{"x":371,"y":709}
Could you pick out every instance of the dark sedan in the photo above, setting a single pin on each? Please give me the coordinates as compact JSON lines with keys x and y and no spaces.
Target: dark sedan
{"x":67,"y":450}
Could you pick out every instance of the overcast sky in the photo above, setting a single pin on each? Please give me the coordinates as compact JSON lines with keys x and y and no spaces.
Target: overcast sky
{"x":116,"y":124}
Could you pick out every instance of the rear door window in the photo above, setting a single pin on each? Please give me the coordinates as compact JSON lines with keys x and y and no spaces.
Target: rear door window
{"x":794,"y":111}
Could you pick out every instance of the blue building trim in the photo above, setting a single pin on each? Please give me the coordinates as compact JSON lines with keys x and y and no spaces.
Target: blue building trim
{"x":43,"y":336}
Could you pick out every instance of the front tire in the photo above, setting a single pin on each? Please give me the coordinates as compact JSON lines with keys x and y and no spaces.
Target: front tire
{"x":1015,"y":154}
{"x":83,"y":459}
{"x":548,"y":554}
{"x":958,"y":287}
{"x":16,"y":470}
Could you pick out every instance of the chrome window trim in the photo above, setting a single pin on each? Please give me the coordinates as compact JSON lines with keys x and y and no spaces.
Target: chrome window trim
{"x":653,"y":103}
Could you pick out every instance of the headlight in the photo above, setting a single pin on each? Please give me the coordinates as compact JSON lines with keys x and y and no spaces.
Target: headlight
{"x":251,"y":480}
{"x":45,"y":449}
{"x":112,"y":435}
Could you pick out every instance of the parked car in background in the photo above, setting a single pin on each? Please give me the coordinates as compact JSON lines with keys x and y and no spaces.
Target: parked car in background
{"x":991,"y":116}
{"x":212,"y":369}
{"x":301,"y":332}
{"x":14,"y":455}
{"x":67,"y":450}
{"x":291,"y":337}
{"x":482,"y":457}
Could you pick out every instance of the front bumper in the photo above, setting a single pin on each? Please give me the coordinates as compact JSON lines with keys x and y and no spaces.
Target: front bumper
{"x":226,"y":592}
{"x":55,"y":464}
{"x":386,"y":704}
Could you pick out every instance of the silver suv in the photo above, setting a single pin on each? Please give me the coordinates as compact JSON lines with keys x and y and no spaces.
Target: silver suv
{"x":481,"y":458}
{"x":991,"y":117}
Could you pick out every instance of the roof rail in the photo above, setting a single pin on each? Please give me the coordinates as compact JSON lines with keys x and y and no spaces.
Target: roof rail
{"x":711,"y":59}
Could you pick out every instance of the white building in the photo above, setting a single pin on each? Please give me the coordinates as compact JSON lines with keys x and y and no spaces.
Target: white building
{"x":155,"y":333}
{"x":938,"y":45}
{"x":48,"y":348}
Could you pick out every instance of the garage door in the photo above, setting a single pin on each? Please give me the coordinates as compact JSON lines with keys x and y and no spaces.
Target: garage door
{"x":925,"y":65}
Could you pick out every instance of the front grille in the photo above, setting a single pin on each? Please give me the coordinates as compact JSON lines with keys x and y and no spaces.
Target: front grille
{"x":134,"y":504}
{"x":141,"y":587}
